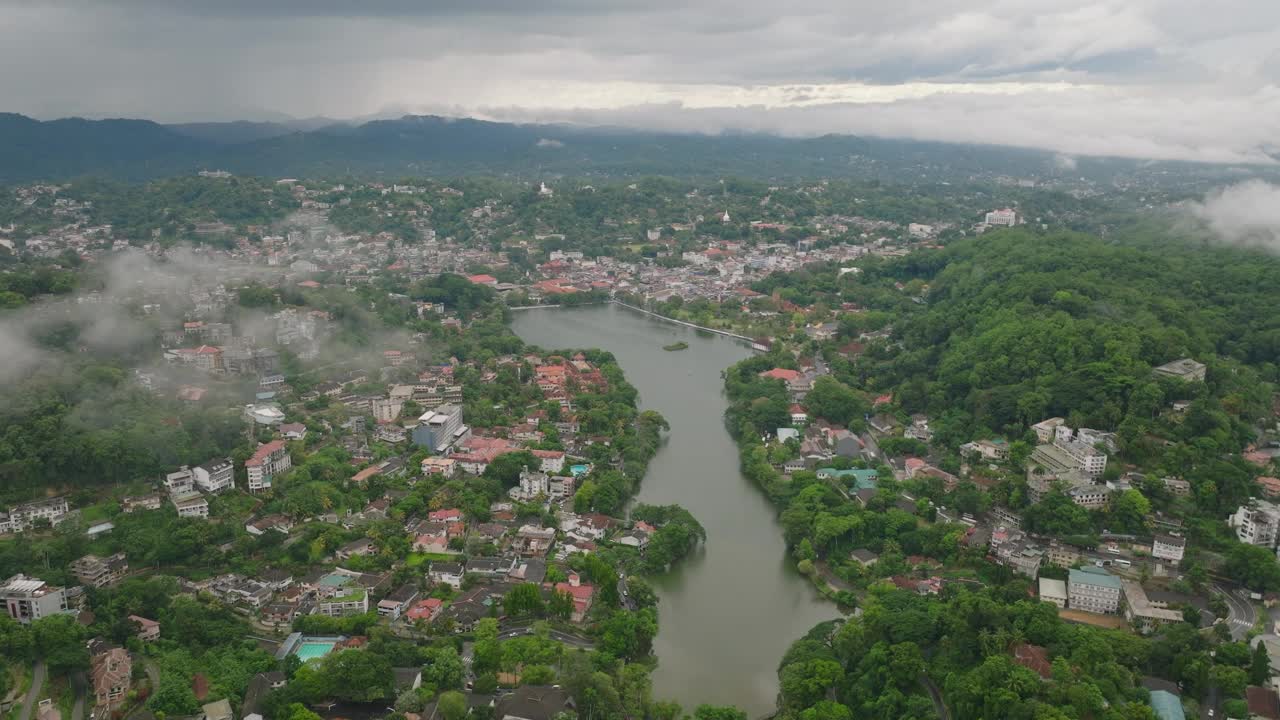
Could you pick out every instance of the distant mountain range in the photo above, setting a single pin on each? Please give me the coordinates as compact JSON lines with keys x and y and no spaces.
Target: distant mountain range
{"x":429,"y":145}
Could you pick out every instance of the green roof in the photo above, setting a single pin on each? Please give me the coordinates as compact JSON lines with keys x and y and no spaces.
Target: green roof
{"x":859,"y":478}
{"x":1094,"y":576}
{"x":1166,"y":705}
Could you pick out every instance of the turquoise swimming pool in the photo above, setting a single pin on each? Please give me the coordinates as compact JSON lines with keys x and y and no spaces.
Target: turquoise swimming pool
{"x":577,"y":470}
{"x":313,"y":650}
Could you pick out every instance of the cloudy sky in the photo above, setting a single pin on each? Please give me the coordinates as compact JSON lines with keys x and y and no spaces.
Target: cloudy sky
{"x":1180,"y":79}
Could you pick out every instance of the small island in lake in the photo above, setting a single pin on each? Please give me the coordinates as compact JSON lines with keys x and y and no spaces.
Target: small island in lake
{"x":682,"y":345}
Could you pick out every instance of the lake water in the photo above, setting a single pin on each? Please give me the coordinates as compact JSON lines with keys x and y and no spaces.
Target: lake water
{"x":728,"y":614}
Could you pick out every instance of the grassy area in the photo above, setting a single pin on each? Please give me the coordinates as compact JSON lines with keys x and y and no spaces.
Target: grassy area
{"x":416,"y":559}
{"x":94,"y":513}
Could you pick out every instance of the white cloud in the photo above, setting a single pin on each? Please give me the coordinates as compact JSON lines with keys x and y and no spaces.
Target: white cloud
{"x":1244,"y":214}
{"x":1170,"y":78}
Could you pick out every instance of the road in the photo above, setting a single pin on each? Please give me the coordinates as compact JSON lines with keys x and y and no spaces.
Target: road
{"x":33,"y":694}
{"x":627,"y":603}
{"x":935,"y":694}
{"x":81,"y":685}
{"x":1241,"y":614}
{"x":561,"y":637}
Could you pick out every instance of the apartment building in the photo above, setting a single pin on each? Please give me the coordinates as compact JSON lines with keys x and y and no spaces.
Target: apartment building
{"x":1257,"y":523}
{"x":27,"y":598}
{"x":99,"y":572}
{"x":269,"y":460}
{"x":1094,"y":590}
{"x":215,"y":476}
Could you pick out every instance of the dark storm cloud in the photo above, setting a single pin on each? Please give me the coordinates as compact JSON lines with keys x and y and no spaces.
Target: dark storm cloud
{"x":1182,"y":77}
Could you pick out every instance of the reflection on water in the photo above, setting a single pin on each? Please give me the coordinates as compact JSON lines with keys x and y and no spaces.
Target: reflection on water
{"x":729,"y":613}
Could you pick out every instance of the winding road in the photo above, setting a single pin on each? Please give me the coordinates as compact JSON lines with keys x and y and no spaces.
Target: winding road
{"x":37,"y":684}
{"x":1241,"y":614}
{"x":935,"y":694}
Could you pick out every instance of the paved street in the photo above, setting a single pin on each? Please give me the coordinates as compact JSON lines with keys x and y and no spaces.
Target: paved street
{"x":1241,"y":614}
{"x":81,"y":686}
{"x":33,"y":694}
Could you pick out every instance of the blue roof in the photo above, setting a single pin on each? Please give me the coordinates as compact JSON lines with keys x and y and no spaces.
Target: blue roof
{"x":1166,"y":705}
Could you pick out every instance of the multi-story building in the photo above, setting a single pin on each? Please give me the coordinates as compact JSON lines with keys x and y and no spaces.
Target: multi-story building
{"x":27,"y":598}
{"x":180,"y":481}
{"x":151,"y":501}
{"x":532,"y":486}
{"x":215,"y":475}
{"x":190,"y":504}
{"x":1045,"y":429}
{"x":1006,"y":217}
{"x":269,"y":460}
{"x":1094,"y":590}
{"x":1066,"y":453}
{"x":1257,"y":523}
{"x":439,"y":429}
{"x":99,"y":572}
{"x":353,"y":602}
{"x":1142,"y":613}
{"x":1169,"y":548}
{"x":1053,"y":591}
{"x":24,"y":517}
{"x":112,"y":673}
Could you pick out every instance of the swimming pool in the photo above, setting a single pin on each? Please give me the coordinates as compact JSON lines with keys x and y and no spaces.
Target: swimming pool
{"x":313,"y":650}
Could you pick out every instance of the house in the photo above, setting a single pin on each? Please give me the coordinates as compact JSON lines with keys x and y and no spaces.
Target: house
{"x":582,"y":596}
{"x":398,"y":602}
{"x":293,"y":431}
{"x":1168,"y":547}
{"x":798,"y":415}
{"x":148,"y":630}
{"x":220,"y":710}
{"x":424,"y":610}
{"x":446,"y":573}
{"x":1263,"y":702}
{"x":864,"y":557}
{"x":1053,"y":591}
{"x":131,"y":503}
{"x":277,"y":522}
{"x":1034,"y":658}
{"x":100,"y":572}
{"x":269,"y":460}
{"x":1184,"y":369}
{"x":490,"y":567}
{"x":448,"y":515}
{"x":1165,"y":699}
{"x":111,"y":671}
{"x":533,"y":702}
{"x":448,"y":467}
{"x":361,"y":546}
{"x":1093,"y":589}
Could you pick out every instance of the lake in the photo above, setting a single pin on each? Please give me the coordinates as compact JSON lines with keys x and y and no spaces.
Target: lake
{"x":727,"y":614}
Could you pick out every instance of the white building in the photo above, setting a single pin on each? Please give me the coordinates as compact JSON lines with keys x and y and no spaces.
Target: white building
{"x":27,"y":599}
{"x":1169,"y":548}
{"x":552,"y":461}
{"x":1257,"y":523}
{"x":181,"y":480}
{"x":1045,"y":429}
{"x":215,"y":475}
{"x":190,"y":504}
{"x":1094,"y":590}
{"x":533,"y":485}
{"x":1006,"y":217}
{"x":1053,"y":591}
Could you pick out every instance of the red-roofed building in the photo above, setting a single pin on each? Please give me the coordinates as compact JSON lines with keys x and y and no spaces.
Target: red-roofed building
{"x":487,"y":280}
{"x":1269,"y":485}
{"x":425,"y":610}
{"x":1034,"y":658}
{"x":582,"y":596}
{"x":1263,"y":702}
{"x":552,"y":460}
{"x":781,"y":374}
{"x":884,"y":400}
{"x":269,"y":460}
{"x":449,"y":515}
{"x":363,"y":476}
